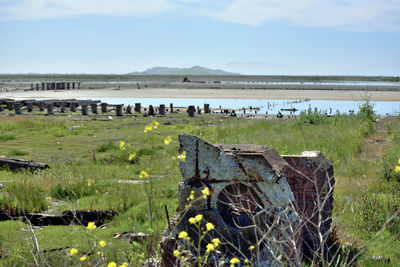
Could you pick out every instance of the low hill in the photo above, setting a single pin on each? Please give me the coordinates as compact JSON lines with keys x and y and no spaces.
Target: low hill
{"x":195,"y":70}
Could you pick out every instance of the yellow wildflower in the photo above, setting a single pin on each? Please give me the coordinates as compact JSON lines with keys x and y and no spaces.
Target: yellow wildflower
{"x":132,"y":156}
{"x":234,"y":261}
{"x":143,"y":175}
{"x":90,"y":182}
{"x":206,"y":192}
{"x":148,"y":128}
{"x":397,"y":169}
{"x":91,"y":226}
{"x":83,"y":258}
{"x":191,"y":197}
{"x":121,"y":144}
{"x":216,"y":242}
{"x":176,"y":253}
{"x":125,"y":264}
{"x":182,"y":157}
{"x":184,"y":235}
{"x":199,"y":217}
{"x":210,"y":248}
{"x":73,"y":251}
{"x":102,"y":243}
{"x":398,"y":161}
{"x":192,"y":220}
{"x":98,"y":252}
{"x":209,"y":226}
{"x":155,"y":124}
{"x":167,"y":140}
{"x":112,"y":264}
{"x":252,"y":247}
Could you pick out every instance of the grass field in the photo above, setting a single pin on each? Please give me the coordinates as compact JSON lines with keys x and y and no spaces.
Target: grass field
{"x":89,"y":170}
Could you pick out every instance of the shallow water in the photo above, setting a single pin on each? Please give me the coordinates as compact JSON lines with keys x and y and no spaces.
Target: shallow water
{"x":270,"y":106}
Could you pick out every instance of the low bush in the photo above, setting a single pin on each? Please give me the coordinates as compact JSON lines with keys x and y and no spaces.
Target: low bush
{"x":24,"y":196}
{"x":106,"y":147}
{"x":17,"y":152}
{"x":6,"y":137}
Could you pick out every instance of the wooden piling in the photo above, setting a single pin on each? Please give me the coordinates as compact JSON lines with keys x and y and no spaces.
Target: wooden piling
{"x":84,"y":110}
{"x":103,"y":108}
{"x":138,"y":107}
{"x":162,"y":109}
{"x":118,"y":110}
{"x":94,"y":108}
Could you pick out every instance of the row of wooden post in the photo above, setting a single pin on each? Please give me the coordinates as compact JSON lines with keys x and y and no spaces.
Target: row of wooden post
{"x":56,"y":86}
{"x":49,"y":106}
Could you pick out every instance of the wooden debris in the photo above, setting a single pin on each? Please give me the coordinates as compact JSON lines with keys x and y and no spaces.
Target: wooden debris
{"x":15,"y":164}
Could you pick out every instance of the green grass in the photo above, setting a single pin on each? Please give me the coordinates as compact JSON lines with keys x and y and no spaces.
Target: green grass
{"x":86,"y":165}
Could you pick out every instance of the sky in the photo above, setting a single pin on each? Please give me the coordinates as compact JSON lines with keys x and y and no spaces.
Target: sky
{"x":261,"y":37}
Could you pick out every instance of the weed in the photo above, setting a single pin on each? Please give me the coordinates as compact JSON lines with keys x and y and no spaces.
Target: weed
{"x":17,"y":152}
{"x":106,"y":147}
{"x":6,"y":137}
{"x":24,"y":196}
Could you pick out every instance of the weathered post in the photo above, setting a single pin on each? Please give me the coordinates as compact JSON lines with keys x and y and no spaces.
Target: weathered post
{"x":43,"y":85}
{"x":62,"y":107}
{"x":49,"y":107}
{"x":72,"y":106}
{"x":103,"y":108}
{"x":191,"y":110}
{"x":138,"y":107}
{"x":37,"y":87}
{"x":118,"y":110}
{"x":171,"y":107}
{"x":30,"y":106}
{"x":41,"y":106}
{"x":17,"y":108}
{"x":207,"y":108}
{"x":84,"y":109}
{"x":198,"y":110}
{"x":68,"y":86}
{"x":73,"y":85}
{"x":10,"y":105}
{"x":79,"y":86}
{"x":151,"y":110}
{"x":129,"y":109}
{"x":94,"y":108}
{"x":162,"y":109}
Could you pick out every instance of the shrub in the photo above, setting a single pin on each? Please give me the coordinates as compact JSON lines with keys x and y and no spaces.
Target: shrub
{"x":6,"y":137}
{"x":106,"y":147}
{"x":312,"y":116}
{"x":389,"y":161}
{"x":368,"y":118}
{"x":17,"y":152}
{"x":76,"y":190}
{"x":24,"y":196}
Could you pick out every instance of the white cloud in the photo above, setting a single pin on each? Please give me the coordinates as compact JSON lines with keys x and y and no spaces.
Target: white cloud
{"x":357,"y":15}
{"x":38,"y":9}
{"x":360,"y":15}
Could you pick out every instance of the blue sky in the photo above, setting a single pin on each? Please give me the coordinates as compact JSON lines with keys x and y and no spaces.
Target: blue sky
{"x":308,"y":37}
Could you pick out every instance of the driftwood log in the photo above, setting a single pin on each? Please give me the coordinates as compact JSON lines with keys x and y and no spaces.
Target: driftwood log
{"x":79,"y":217}
{"x":15,"y":164}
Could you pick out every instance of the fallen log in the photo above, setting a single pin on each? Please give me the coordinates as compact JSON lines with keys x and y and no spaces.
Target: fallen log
{"x":15,"y":164}
{"x":79,"y":217}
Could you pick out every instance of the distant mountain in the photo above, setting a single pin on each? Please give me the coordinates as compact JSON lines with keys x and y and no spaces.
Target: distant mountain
{"x":195,"y":70}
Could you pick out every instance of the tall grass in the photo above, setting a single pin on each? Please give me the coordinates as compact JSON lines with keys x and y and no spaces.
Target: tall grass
{"x":82,"y":152}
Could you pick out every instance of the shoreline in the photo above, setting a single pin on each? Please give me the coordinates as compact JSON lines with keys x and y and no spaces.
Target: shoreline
{"x":209,"y":93}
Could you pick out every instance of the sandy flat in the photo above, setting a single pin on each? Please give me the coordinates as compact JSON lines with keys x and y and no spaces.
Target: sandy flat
{"x":209,"y":93}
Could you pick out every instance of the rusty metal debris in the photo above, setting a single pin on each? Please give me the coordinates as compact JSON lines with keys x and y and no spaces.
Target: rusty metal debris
{"x":257,"y":198}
